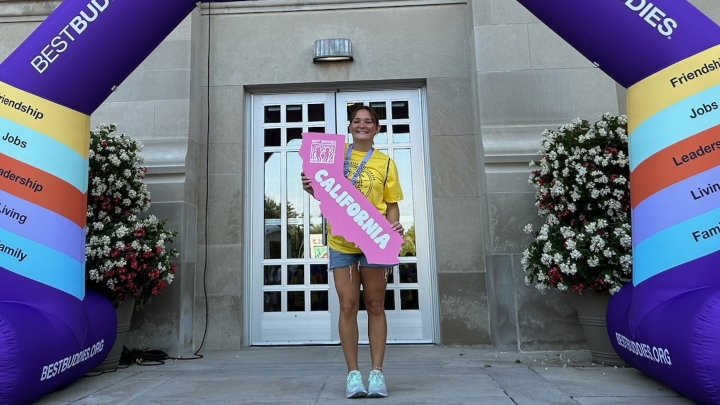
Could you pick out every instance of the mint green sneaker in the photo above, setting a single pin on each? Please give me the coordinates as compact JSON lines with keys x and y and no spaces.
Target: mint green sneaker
{"x":355,"y":387}
{"x":376,"y":385}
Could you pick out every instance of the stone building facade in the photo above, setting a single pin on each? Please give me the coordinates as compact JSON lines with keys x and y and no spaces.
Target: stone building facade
{"x":468,"y":87}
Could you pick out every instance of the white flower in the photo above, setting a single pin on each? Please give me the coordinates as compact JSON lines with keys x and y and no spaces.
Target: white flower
{"x":546,"y":259}
{"x":121,"y":231}
{"x":583,"y":192}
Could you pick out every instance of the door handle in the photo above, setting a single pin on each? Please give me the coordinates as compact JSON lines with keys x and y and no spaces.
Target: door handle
{"x":324,"y":230}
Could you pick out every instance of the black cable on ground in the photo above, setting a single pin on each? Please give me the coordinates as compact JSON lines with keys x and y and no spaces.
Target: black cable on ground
{"x":207,"y":182}
{"x":147,"y":357}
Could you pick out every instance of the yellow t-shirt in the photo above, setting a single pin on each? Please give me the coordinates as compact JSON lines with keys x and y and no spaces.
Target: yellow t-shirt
{"x":378,"y":182}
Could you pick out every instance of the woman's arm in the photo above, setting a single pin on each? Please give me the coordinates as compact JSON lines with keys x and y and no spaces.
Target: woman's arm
{"x":393,"y":216}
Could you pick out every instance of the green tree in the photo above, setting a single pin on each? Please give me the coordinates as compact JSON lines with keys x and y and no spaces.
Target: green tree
{"x":294,"y":232}
{"x":272,"y":208}
{"x":408,"y":246}
{"x":315,"y":229}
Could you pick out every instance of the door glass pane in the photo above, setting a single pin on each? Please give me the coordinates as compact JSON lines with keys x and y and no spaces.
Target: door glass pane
{"x":272,"y":137}
{"x":380,"y":108}
{"x":293,"y":113}
{"x":272,"y":301}
{"x":272,"y":206}
{"x":318,"y":250}
{"x":295,"y":301}
{"x":294,"y":136}
{"x":350,"y":108}
{"x":318,"y":300}
{"x":318,"y":274}
{"x":295,"y":275}
{"x":272,"y":114}
{"x":401,"y":133}
{"x":403,"y":161}
{"x":317,"y":129}
{"x":409,"y":299}
{"x":408,"y":273}
{"x":390,"y":300}
{"x":295,"y":195}
{"x":273,"y":275}
{"x":316,"y":112}
{"x":381,"y":138}
{"x":400,"y":110}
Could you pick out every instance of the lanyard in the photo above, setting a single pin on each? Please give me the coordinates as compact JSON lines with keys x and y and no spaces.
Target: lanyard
{"x":361,"y":166}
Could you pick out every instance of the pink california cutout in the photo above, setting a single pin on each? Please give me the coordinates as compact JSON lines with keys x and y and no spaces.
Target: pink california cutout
{"x":351,"y":215}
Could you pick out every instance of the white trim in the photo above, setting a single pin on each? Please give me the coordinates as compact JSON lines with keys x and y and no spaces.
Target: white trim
{"x":247,"y":222}
{"x":432,"y":262}
{"x":274,"y":6}
{"x":345,"y":86}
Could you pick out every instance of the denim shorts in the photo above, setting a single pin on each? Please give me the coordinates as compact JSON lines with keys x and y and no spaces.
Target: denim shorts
{"x":339,"y":259}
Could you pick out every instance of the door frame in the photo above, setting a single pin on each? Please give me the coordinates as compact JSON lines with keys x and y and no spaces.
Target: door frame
{"x":250,"y":173}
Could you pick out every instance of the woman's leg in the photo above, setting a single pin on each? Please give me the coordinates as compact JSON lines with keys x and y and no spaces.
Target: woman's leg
{"x":374,"y":286}
{"x":348,"y":290}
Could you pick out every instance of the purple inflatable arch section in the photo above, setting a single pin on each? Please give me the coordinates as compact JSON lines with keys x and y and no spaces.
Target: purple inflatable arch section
{"x":51,"y":331}
{"x":666,"y":322}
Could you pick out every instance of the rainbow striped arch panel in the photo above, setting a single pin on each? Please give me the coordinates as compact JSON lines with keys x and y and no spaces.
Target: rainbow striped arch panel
{"x":666,"y":322}
{"x":52,"y":331}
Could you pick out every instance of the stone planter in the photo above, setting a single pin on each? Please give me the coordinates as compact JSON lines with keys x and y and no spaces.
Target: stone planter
{"x":592,"y":309}
{"x":124,"y":313}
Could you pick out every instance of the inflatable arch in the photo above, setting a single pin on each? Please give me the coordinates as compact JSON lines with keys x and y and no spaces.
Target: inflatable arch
{"x":665,"y":323}
{"x":667,"y":54}
{"x":51,"y":331}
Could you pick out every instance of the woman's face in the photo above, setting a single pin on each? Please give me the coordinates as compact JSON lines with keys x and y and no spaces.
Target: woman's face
{"x":362,"y":127}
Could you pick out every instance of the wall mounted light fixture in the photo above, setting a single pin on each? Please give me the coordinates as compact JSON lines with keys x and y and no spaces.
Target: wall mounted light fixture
{"x":333,"y":49}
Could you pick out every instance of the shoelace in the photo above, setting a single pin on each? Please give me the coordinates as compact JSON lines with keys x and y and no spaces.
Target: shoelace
{"x":355,"y":378}
{"x":376,"y":378}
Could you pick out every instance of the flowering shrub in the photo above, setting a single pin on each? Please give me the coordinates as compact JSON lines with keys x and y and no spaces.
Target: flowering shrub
{"x":125,"y":254}
{"x":582,"y":190}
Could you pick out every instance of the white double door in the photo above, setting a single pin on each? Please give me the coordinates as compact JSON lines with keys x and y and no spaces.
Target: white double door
{"x":292,"y":298}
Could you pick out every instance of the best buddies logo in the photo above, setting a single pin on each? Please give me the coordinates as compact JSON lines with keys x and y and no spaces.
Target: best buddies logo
{"x":351,"y":215}
{"x":322,"y":151}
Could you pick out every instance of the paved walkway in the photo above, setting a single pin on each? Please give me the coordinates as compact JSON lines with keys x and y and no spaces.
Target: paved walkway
{"x":415,"y":375}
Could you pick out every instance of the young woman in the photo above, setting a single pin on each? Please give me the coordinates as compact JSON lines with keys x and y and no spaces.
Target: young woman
{"x":375,"y":175}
